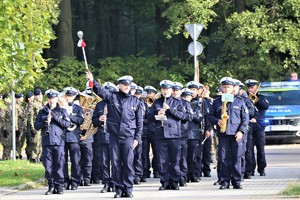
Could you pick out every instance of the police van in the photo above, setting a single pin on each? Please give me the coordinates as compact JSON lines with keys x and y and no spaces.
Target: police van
{"x":283,"y":116}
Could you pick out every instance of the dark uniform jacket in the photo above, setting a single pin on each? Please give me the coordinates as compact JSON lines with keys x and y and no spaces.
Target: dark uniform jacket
{"x":59,"y":122}
{"x":172,"y":127}
{"x":185,"y":124}
{"x":262,"y":105}
{"x":77,"y":119}
{"x":237,"y":112}
{"x":102,"y":136}
{"x":125,"y":115}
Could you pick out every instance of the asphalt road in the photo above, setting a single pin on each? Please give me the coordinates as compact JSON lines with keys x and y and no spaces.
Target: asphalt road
{"x":283,"y":168}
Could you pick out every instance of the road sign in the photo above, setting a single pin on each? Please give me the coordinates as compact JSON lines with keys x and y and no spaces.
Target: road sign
{"x":194,"y":30}
{"x":199,"y":48}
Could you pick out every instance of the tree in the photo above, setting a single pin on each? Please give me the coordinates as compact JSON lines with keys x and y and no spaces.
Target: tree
{"x":25,"y":30}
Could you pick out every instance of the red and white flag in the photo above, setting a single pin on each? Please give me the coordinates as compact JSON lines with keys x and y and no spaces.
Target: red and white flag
{"x":81,"y":43}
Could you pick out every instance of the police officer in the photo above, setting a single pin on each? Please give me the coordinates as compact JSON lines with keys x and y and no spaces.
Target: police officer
{"x":125,"y":125}
{"x":257,"y":122}
{"x":230,"y":141}
{"x":186,"y":97}
{"x":148,"y":138}
{"x":72,"y":146}
{"x":53,"y":120}
{"x":86,"y":147}
{"x":167,"y":112}
{"x":101,"y":168}
{"x":20,"y":124}
{"x":194,"y":159}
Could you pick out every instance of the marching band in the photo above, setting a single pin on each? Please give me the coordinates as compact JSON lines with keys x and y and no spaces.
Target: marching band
{"x":109,"y":133}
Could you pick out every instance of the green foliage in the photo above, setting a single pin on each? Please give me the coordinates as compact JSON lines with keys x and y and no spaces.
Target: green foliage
{"x":179,"y":13}
{"x":20,"y":172}
{"x":68,"y":72}
{"x":25,"y":30}
{"x":293,"y":189}
{"x":145,"y":70}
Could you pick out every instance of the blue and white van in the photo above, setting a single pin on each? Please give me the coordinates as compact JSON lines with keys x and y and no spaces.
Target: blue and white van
{"x":283,"y":116}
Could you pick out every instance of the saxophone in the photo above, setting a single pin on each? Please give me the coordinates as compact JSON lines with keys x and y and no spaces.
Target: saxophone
{"x":224,"y":117}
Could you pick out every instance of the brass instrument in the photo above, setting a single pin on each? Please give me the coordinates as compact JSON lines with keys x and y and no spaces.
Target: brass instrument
{"x":64,"y":104}
{"x":253,"y":97}
{"x":150,"y":100}
{"x":224,"y":117}
{"x":88,"y":104}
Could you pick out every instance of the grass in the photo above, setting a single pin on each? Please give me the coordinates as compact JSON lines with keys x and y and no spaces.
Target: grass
{"x":13,"y":174}
{"x":292,"y":190}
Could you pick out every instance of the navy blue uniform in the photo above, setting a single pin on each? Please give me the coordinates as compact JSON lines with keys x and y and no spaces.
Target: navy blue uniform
{"x":258,"y":134}
{"x":247,"y":161}
{"x":86,"y":161}
{"x":124,"y":124}
{"x":185,"y":128}
{"x":230,"y":150}
{"x":72,"y":146}
{"x":53,"y":143}
{"x":206,"y":147}
{"x":101,"y":153}
{"x":148,"y":139}
{"x":168,"y":134}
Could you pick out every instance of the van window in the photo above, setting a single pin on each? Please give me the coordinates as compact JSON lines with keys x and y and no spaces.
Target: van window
{"x":291,"y":97}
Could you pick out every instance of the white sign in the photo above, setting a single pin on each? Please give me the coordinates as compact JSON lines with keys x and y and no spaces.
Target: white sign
{"x":199,"y":48}
{"x":191,"y":27}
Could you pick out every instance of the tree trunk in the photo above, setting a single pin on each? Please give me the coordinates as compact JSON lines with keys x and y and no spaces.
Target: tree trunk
{"x":65,"y":45}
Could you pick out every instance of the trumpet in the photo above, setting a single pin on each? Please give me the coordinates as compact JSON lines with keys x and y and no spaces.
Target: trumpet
{"x":253,"y":97}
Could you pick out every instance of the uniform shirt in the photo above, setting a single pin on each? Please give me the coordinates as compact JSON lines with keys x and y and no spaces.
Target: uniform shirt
{"x":185,"y":124}
{"x":102,"y":135}
{"x":262,"y":105}
{"x":57,"y":127}
{"x":76,"y":117}
{"x":237,"y":112}
{"x":125,"y":115}
{"x":20,"y":117}
{"x":172,"y":127}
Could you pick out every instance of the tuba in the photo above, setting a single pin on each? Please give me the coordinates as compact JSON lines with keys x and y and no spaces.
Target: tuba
{"x":224,"y":117}
{"x":88,"y":104}
{"x":150,"y":100}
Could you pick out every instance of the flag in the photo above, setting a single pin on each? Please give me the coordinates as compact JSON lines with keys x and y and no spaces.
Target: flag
{"x":81,"y":43}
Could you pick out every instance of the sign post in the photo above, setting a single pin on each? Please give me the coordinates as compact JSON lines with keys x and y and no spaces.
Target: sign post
{"x":195,"y":48}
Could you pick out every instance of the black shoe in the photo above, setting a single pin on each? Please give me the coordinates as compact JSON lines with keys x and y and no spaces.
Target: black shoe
{"x":224,"y":185}
{"x":164,"y":187}
{"x":111,"y":189}
{"x":59,"y":191}
{"x":247,"y":176}
{"x":207,"y":175}
{"x":262,"y":174}
{"x":127,"y":195}
{"x":155,"y":175}
{"x":218,"y":182}
{"x":66,"y":185}
{"x":74,"y":187}
{"x":50,"y":191}
{"x":252,"y":174}
{"x":143,"y":179}
{"x":105,"y":188}
{"x":237,"y":186}
{"x":136,"y":181}
{"x":96,"y":181}
{"x":87,"y":183}
{"x":118,"y":194}
{"x":174,"y":186}
{"x":182,"y":183}
{"x":195,"y":180}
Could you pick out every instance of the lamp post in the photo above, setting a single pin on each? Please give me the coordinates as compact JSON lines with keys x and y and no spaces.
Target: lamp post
{"x":195,"y":48}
